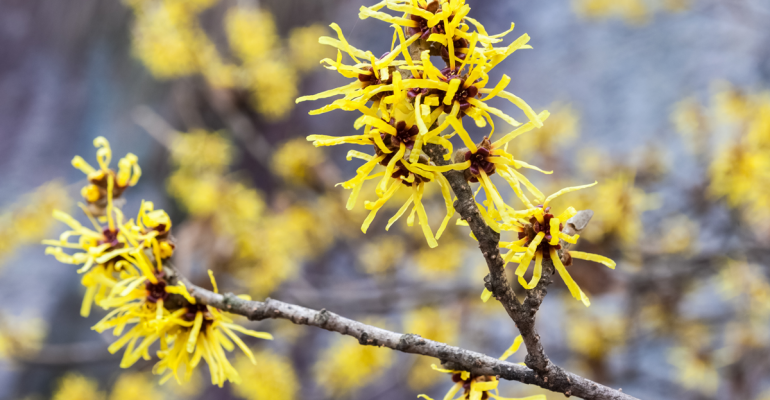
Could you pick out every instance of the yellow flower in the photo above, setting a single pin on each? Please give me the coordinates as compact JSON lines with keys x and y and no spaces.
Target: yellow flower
{"x":413,"y":102}
{"x":346,"y":366}
{"x":107,"y":185}
{"x":186,"y":335}
{"x":107,"y":248}
{"x":124,"y":270}
{"x":539,"y":235}
{"x":391,"y":142}
{"x":477,"y":387}
{"x":491,"y":158}
{"x":273,"y":377}
{"x":76,"y":386}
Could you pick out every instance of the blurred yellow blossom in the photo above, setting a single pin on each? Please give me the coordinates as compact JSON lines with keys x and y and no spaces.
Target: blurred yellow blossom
{"x":132,"y":386}
{"x":443,"y":261}
{"x":621,"y":204}
{"x":593,"y":336}
{"x":251,"y":33}
{"x":679,"y":234}
{"x":694,"y":370}
{"x":273,"y":85}
{"x":171,"y":42}
{"x":380,"y":256}
{"x":741,"y":166}
{"x":75,"y":386}
{"x":272,"y":377}
{"x":434,"y":324}
{"x":167,"y":38}
{"x":201,"y":150}
{"x":29,"y":220}
{"x":268,"y":245}
{"x":634,"y":12}
{"x":304,"y":46}
{"x":346,"y":366}
{"x":562,"y":129}
{"x":295,"y":159}
{"x":20,"y":336}
{"x":691,"y":122}
{"x":746,"y":285}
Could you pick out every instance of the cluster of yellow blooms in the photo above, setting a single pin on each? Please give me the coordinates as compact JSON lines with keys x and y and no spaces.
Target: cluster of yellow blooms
{"x":267,"y":245}
{"x":20,"y":336}
{"x":738,"y":130}
{"x":169,"y":39}
{"x":128,"y":386}
{"x":407,"y":104}
{"x":29,"y":220}
{"x":122,"y":262}
{"x":633,"y":12}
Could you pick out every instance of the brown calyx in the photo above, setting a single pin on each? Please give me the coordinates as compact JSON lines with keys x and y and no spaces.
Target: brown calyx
{"x":401,"y":172}
{"x":193,"y":310}
{"x":372,"y":79}
{"x":534,"y":227}
{"x":479,"y":161}
{"x":407,"y":136}
{"x":422,"y":24}
{"x":157,"y":291}
{"x":467,"y":382}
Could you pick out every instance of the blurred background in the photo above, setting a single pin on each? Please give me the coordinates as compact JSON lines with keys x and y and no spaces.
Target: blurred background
{"x":664,"y":102}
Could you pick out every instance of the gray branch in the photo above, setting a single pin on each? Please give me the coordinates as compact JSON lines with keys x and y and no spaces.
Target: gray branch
{"x":450,"y":356}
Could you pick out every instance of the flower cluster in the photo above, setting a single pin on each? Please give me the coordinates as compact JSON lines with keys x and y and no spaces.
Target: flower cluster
{"x":265,"y":246}
{"x":123,"y":266}
{"x":633,"y":12}
{"x":28,"y":221}
{"x":408,"y":105}
{"x":172,"y":43}
{"x":733,"y":136}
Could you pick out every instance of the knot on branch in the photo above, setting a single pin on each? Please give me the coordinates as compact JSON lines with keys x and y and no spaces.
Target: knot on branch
{"x":488,"y":282}
{"x":258,"y":313}
{"x":230,"y":300}
{"x":408,"y":340}
{"x":364,"y":340}
{"x":322,"y":317}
